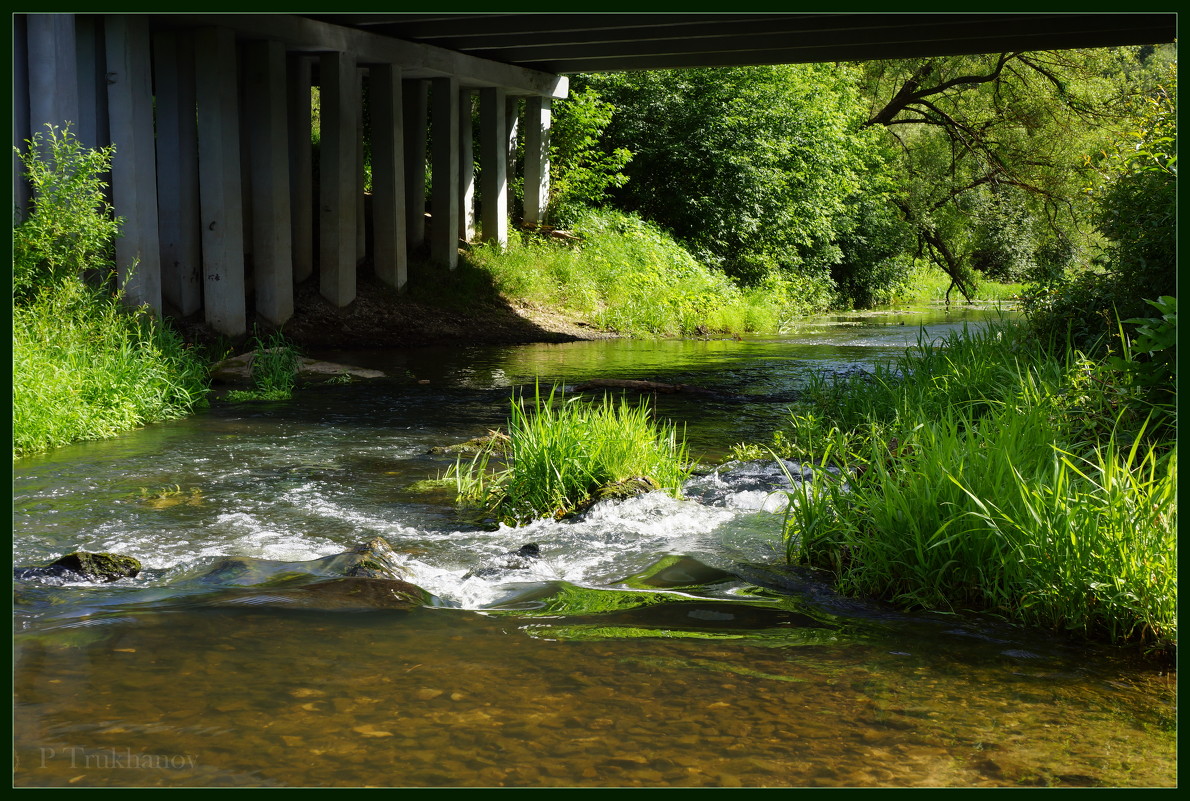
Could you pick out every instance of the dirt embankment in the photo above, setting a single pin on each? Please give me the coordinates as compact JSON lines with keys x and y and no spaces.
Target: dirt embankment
{"x":380,"y":317}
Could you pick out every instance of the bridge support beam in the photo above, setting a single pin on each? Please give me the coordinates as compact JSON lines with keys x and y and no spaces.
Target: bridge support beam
{"x":219,"y":184}
{"x":338,"y":185}
{"x":494,"y":160}
{"x":134,"y":166}
{"x":444,"y":211}
{"x":512,"y":113}
{"x":266,"y":125}
{"x":537,"y":158}
{"x":388,"y":176}
{"x":415,"y":105}
{"x":301,"y":168}
{"x":466,"y":166}
{"x":177,"y":172}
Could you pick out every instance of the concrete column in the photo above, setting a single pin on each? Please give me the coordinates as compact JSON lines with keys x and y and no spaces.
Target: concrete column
{"x":134,"y":168}
{"x":493,"y":158}
{"x":414,"y":103}
{"x":512,"y":115}
{"x":20,"y":112}
{"x":92,"y":81}
{"x":177,"y":171}
{"x":301,"y":168}
{"x":444,"y":239}
{"x":361,"y":223}
{"x":267,"y":127}
{"x":388,"y":176}
{"x":220,"y":195}
{"x":537,"y":158}
{"x":466,"y":167}
{"x":53,"y":71}
{"x":337,"y":181}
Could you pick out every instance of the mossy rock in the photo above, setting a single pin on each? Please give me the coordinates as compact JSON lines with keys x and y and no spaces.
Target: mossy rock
{"x":628,"y":488}
{"x":97,"y":566}
{"x":493,"y":441}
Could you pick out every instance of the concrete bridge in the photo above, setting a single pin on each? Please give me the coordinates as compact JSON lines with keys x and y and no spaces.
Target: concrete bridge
{"x":213,"y":171}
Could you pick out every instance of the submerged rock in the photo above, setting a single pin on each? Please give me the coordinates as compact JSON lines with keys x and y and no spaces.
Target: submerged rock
{"x":85,"y":566}
{"x":522,"y":558}
{"x":348,"y":593}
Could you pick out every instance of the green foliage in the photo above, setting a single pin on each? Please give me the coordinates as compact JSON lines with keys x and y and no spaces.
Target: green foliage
{"x":993,"y":152}
{"x":274,"y":370}
{"x":581,"y":168}
{"x":749,"y":166}
{"x":628,"y":275}
{"x":1136,"y":194}
{"x":87,"y":367}
{"x":84,"y":365}
{"x":992,"y":475}
{"x":70,"y":227}
{"x":561,"y":453}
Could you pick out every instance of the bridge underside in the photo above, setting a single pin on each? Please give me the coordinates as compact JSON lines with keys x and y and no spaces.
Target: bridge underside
{"x":227,"y":203}
{"x":225,"y":200}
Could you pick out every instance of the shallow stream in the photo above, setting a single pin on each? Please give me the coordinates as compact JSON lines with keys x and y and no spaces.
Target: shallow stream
{"x":655,"y":641}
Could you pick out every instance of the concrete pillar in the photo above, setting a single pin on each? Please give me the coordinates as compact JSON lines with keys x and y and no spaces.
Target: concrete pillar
{"x":512,"y":115}
{"x":466,"y":167}
{"x":444,"y":239}
{"x":493,"y":158}
{"x":134,"y":169}
{"x":537,"y":158}
{"x":361,"y":211}
{"x":53,"y":71}
{"x":301,"y":168}
{"x":337,"y":181}
{"x":177,"y":171}
{"x":267,"y":126}
{"x":414,"y":103}
{"x":220,"y":194}
{"x":388,"y":176}
{"x":20,"y":111}
{"x":92,"y":81}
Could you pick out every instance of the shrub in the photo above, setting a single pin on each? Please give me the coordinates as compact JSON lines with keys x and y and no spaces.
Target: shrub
{"x":70,"y":228}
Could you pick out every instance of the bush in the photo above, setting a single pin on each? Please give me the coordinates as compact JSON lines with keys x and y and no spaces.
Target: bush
{"x":70,"y":228}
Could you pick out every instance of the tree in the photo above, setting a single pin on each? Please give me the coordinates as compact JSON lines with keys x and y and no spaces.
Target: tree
{"x":751,"y":167}
{"x":992,"y":153}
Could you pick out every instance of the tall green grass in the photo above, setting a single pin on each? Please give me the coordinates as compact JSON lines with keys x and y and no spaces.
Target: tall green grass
{"x":274,"y":368}
{"x":84,"y":365}
{"x":561,"y":453}
{"x":985,"y":476}
{"x":87,"y":367}
{"x":627,"y":275}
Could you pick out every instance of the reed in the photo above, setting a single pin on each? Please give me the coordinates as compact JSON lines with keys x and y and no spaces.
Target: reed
{"x":274,"y":370}
{"x":981,"y":476}
{"x":560,"y":454}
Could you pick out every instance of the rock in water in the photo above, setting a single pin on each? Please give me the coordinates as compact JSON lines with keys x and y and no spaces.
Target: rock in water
{"x":520,"y":559}
{"x":94,"y":566}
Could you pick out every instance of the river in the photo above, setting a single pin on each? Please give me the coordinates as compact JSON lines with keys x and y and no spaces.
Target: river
{"x":656,"y":642}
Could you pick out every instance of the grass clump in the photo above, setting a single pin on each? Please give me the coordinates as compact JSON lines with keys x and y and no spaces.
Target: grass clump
{"x":994,"y":475}
{"x":560,"y":455}
{"x":628,"y":275}
{"x":274,"y":368}
{"x":85,"y":366}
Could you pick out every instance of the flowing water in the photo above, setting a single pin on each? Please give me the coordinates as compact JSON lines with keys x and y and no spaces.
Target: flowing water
{"x":654,"y":642}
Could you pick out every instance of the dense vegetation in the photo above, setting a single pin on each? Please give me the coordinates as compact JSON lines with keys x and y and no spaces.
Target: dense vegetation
{"x":84,"y":365}
{"x":561,"y":454}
